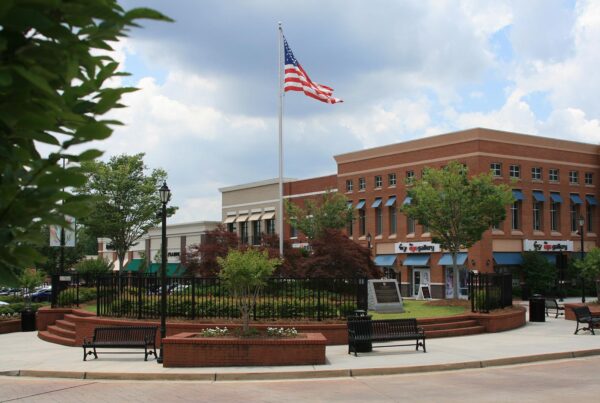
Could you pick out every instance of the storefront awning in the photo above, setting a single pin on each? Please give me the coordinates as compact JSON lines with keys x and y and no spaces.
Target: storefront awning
{"x":391,"y":201}
{"x":417,"y":260}
{"x":349,"y":204}
{"x":407,"y":200}
{"x":538,"y":195}
{"x":255,"y":217}
{"x":508,"y":258}
{"x":518,"y":195}
{"x":385,"y":260}
{"x":241,"y":218}
{"x":268,"y":215}
{"x":360,"y":205}
{"x":376,"y":203}
{"x":134,"y":265}
{"x":576,"y":199}
{"x":173,"y":269}
{"x":551,"y":257}
{"x":556,"y":197}
{"x":229,"y":220}
{"x":591,"y":200}
{"x":446,"y":259}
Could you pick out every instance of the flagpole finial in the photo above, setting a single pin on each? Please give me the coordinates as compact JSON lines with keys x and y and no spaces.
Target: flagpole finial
{"x":279,"y":24}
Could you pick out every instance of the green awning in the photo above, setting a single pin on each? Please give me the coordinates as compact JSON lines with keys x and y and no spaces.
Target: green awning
{"x":173,"y":269}
{"x":134,"y":265}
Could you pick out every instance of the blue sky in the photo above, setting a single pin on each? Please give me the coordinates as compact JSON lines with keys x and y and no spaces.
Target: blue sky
{"x":207,"y":109}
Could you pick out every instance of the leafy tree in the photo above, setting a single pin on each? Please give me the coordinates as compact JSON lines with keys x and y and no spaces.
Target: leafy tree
{"x":53,"y":94}
{"x":538,"y":273}
{"x":91,"y":269}
{"x":291,"y":264}
{"x":126,"y":200}
{"x":245,"y":274}
{"x":72,"y":254}
{"x":589,"y":268}
{"x":457,"y":208}
{"x":202,"y":258}
{"x":330,"y":212}
{"x":29,"y":279}
{"x":336,"y":255}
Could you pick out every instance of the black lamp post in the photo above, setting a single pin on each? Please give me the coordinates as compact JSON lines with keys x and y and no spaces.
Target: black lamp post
{"x":369,"y":238}
{"x":581,"y":223}
{"x":165,"y":195}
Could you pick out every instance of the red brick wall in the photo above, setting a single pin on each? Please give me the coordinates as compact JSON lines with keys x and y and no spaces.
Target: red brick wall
{"x":10,"y":326}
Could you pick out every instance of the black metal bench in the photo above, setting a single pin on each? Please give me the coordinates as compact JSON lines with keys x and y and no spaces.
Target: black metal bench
{"x":584,"y":316}
{"x":122,"y":337}
{"x":369,"y":331}
{"x":552,"y":305}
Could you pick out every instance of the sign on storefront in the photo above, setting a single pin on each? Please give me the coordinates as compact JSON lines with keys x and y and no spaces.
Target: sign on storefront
{"x":537,"y":245}
{"x":417,"y":247}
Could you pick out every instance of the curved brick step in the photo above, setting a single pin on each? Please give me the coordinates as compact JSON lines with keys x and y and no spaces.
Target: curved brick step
{"x":449,"y":325}
{"x":463,"y":331}
{"x":53,"y":338}
{"x":59,"y":331}
{"x":65,"y":324}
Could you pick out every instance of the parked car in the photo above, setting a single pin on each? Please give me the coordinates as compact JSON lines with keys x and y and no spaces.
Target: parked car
{"x":3,"y":303}
{"x":42,"y":295}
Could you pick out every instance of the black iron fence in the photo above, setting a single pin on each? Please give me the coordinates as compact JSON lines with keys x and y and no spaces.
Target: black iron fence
{"x":139,"y":297}
{"x":65,"y":290}
{"x":488,"y":291}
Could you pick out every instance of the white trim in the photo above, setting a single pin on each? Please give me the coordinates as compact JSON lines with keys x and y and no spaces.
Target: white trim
{"x":320,"y":192}
{"x":249,"y":204}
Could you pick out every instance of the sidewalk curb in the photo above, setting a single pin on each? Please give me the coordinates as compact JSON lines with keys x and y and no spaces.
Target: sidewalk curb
{"x":272,"y":376}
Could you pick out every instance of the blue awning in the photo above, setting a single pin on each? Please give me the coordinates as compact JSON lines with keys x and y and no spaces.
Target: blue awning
{"x":518,"y":195}
{"x":539,"y":196}
{"x":556,"y":197}
{"x":446,"y":259}
{"x":508,"y":258}
{"x":385,"y":260}
{"x":391,"y":201}
{"x":551,"y":257}
{"x":591,"y":200}
{"x":407,"y":200}
{"x":360,"y":205}
{"x":349,"y":204}
{"x":416,"y":260}
{"x":376,"y":203}
{"x":576,"y":199}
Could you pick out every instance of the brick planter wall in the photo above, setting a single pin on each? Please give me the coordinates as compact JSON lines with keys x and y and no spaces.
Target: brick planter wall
{"x":10,"y":326}
{"x":570,"y":315}
{"x":500,"y":322}
{"x":185,"y":350}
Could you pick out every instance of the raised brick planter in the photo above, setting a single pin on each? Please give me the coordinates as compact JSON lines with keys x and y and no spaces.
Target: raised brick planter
{"x":570,"y":315}
{"x":188,"y":350}
{"x":10,"y":325}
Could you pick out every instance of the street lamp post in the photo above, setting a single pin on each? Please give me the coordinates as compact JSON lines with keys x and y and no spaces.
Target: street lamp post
{"x":165,"y":195}
{"x":581,"y":223}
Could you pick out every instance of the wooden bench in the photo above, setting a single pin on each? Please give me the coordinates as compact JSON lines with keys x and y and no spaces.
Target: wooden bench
{"x":369,"y":331}
{"x":584,"y":316}
{"x":122,"y":337}
{"x":552,"y":305}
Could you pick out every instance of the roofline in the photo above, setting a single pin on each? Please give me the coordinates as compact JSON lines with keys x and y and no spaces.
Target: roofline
{"x":255,"y":184}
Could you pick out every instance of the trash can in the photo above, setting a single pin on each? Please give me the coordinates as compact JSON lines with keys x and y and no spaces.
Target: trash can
{"x":537,"y":308}
{"x":363,"y":346}
{"x":28,"y":320}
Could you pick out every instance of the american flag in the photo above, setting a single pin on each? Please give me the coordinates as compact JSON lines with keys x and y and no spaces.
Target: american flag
{"x":296,"y":79}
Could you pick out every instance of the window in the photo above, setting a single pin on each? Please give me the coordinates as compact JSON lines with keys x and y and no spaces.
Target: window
{"x":554,"y":216}
{"x":350,"y":227}
{"x":589,"y":178}
{"x":410,"y":225}
{"x":553,"y":175}
{"x":514,"y":171}
{"x":536,"y":173}
{"x":378,"y":221}
{"x":538,"y":213}
{"x":256,"y":233}
{"x":589,"y":219}
{"x":573,"y":177}
{"x":515,"y":215}
{"x":349,"y":185}
{"x":425,"y":228}
{"x":293,"y":231}
{"x":378,"y":181}
{"x":574,"y":217}
{"x":270,"y":226}
{"x":362,"y":222}
{"x":393,"y":217}
{"x":362,"y":184}
{"x":496,"y":168}
{"x":231,"y":227}
{"x":244,"y":232}
{"x":391,"y":179}
{"x":410,"y":177}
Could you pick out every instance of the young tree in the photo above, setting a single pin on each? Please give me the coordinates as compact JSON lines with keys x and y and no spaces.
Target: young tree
{"x":53,"y":93}
{"x":202,"y":258}
{"x":335,"y":255}
{"x":126,"y":200}
{"x":90,"y":269}
{"x":589,"y":268}
{"x":245,"y":274}
{"x":457,"y":208}
{"x":330,"y":212}
{"x":538,"y":273}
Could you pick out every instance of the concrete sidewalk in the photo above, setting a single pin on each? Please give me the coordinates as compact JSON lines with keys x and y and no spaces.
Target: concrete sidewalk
{"x":26,"y":355}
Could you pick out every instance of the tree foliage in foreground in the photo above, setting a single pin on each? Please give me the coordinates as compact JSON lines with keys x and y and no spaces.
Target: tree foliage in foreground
{"x":457,"y":208}
{"x":589,"y":268}
{"x":53,"y":96}
{"x":125,"y":199}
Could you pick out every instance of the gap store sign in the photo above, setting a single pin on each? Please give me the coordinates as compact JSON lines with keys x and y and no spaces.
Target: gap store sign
{"x":538,"y":245}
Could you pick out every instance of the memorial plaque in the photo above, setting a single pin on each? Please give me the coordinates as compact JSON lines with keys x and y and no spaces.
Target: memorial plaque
{"x":386,"y":292}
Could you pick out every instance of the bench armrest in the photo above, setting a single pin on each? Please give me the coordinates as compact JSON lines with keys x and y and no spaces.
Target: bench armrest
{"x":88,"y":340}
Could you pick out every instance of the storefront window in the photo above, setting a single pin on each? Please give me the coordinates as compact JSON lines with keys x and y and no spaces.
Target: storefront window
{"x":378,"y":221}
{"x":554,"y":216}
{"x":392,"y":215}
{"x":362,"y":222}
{"x":515,"y":211}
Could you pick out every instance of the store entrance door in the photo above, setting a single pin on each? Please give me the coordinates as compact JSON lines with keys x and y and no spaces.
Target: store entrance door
{"x":420,"y":277}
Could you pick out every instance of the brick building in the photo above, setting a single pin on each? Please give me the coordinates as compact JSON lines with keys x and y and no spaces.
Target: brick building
{"x":553,"y":182}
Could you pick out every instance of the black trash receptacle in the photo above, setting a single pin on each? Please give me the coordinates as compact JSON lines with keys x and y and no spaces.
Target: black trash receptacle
{"x":28,"y":320}
{"x":537,"y":308}
{"x":362,"y":346}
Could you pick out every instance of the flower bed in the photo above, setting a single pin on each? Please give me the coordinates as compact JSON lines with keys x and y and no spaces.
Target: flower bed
{"x":192,"y":350}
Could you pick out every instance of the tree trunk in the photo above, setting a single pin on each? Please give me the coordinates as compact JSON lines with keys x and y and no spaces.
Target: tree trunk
{"x":455,"y":279}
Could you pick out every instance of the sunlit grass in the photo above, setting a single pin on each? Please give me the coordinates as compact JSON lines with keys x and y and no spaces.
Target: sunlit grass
{"x":420,"y":309}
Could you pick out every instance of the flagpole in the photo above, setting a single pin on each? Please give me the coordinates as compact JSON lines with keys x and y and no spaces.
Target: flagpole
{"x":280,"y":142}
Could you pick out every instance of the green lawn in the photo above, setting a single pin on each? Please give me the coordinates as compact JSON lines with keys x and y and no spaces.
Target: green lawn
{"x":89,"y":308}
{"x":419,"y":309}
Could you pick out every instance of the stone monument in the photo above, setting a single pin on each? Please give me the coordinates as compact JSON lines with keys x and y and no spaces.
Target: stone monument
{"x":384,"y":296}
